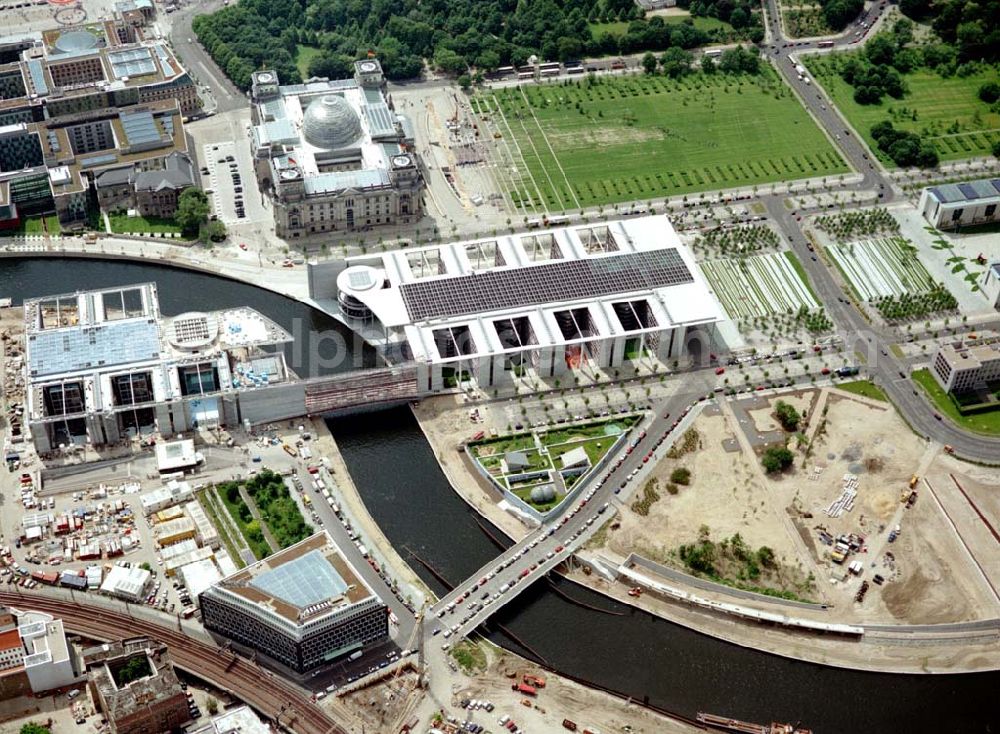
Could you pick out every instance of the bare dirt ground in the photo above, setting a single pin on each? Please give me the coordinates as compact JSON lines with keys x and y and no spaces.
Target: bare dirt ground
{"x":929,"y":579}
{"x":719,"y":479}
{"x":559,"y":699}
{"x":931,"y":576}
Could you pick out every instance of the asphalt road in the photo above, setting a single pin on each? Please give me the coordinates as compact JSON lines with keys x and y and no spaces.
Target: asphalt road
{"x":197,"y":61}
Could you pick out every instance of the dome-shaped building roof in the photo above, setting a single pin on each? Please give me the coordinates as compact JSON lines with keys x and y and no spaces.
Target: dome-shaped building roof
{"x":541,"y":495}
{"x":330,"y":122}
{"x":73,"y":41}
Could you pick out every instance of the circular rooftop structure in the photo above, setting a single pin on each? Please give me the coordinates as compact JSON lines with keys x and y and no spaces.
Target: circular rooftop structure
{"x":192,"y":330}
{"x":543,"y":494}
{"x":358,"y":278}
{"x":73,"y":41}
{"x":330,"y":122}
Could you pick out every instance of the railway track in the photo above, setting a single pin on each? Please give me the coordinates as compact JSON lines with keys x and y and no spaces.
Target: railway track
{"x":271,"y":696}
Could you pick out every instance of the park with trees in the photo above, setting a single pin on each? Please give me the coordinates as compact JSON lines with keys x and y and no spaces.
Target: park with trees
{"x":305,"y":38}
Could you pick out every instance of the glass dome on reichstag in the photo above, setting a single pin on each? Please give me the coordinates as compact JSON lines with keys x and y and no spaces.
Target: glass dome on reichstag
{"x":330,"y":122}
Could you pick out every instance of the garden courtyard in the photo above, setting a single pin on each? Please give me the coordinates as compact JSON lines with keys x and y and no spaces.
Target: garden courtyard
{"x":529,"y":463}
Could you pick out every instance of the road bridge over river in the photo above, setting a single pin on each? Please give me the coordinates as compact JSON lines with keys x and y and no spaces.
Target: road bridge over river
{"x":502,"y":579}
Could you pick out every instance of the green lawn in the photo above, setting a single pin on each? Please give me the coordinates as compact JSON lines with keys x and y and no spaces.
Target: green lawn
{"x":865,"y":388}
{"x":240,"y":513}
{"x":608,"y":140}
{"x":615,"y":28}
{"x":801,"y":272}
{"x":123,"y":224}
{"x":39,"y":225}
{"x":987,"y":423}
{"x":303,"y":55}
{"x":936,"y":102}
{"x":620,"y":27}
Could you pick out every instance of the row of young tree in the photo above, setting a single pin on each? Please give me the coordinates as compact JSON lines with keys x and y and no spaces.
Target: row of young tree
{"x":452,"y":35}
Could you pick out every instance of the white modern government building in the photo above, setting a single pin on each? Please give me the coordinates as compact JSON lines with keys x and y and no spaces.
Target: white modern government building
{"x":544,"y":302}
{"x":104,"y":365}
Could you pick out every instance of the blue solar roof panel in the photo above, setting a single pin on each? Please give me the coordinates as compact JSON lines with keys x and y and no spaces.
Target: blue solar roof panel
{"x":58,"y":351}
{"x":968,"y":190}
{"x":302,"y":582}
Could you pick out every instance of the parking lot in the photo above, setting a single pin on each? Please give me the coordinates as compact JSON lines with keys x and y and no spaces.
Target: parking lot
{"x":226,"y":182}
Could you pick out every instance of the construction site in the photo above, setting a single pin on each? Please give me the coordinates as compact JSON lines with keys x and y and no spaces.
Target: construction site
{"x":870,"y":520}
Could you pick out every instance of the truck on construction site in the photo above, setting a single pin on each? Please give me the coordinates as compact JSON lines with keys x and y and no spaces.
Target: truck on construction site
{"x":525,"y":689}
{"x":533,"y":680}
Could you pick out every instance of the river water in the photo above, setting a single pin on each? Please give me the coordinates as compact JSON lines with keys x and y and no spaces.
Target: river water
{"x":636,"y":654}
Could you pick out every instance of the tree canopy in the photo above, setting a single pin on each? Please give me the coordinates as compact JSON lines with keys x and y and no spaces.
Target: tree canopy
{"x":192,"y":210}
{"x":451,"y":35}
{"x":777,"y":459}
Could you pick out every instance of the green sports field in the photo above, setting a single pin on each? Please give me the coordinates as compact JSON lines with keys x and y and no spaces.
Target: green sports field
{"x":613,"y":139}
{"x":939,"y":105}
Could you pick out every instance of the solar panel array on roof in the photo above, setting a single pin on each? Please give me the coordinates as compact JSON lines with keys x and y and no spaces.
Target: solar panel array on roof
{"x":131,"y":62}
{"x":56,"y":351}
{"x":564,"y":280}
{"x":140,"y":127}
{"x":302,"y":582}
{"x":968,"y":191}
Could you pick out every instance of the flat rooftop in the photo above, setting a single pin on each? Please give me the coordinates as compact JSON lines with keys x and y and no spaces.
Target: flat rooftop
{"x":561,"y":281}
{"x":616,"y":277}
{"x":985,"y":189}
{"x":970,"y":357}
{"x":303,"y":581}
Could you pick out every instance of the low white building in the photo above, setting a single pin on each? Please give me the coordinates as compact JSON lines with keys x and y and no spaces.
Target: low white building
{"x":950,"y":206}
{"x":205,"y":531}
{"x":575,"y":457}
{"x":174,"y":493}
{"x":173,"y":565}
{"x":175,"y":456}
{"x":47,"y":658}
{"x":199,"y":576}
{"x":126,"y":583}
